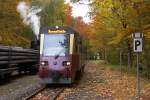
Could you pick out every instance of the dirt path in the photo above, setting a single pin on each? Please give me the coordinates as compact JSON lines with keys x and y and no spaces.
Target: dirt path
{"x":101,"y":83}
{"x":120,"y":86}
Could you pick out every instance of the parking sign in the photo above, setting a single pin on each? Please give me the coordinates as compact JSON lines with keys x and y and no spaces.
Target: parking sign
{"x":137,"y":47}
{"x":137,"y":44}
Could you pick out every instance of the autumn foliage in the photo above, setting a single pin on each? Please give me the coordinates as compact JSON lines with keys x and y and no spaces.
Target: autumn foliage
{"x":112,"y":26}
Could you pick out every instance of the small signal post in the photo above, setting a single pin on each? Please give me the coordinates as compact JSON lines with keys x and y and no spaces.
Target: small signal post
{"x":138,"y":48}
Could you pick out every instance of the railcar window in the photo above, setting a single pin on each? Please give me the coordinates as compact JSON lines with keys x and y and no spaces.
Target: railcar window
{"x":55,"y":44}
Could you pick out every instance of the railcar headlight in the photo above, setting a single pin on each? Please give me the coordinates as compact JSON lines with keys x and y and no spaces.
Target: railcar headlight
{"x":66,"y":63}
{"x":44,"y":63}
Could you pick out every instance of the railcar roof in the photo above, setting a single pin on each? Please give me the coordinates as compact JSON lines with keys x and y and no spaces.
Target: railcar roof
{"x":66,"y":28}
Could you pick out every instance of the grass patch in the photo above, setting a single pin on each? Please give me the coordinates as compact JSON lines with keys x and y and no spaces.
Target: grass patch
{"x":128,"y":70}
{"x":98,"y":62}
{"x":124,"y":69}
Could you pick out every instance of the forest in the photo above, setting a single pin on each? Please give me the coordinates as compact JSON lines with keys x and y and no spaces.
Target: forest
{"x":109,"y":33}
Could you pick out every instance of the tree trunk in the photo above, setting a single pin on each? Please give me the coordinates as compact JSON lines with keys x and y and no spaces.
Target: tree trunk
{"x":129,"y":54}
{"x":146,"y":59}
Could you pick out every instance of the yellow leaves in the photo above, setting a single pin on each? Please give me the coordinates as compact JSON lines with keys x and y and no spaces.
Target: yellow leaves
{"x":0,"y":38}
{"x":10,"y":25}
{"x":13,"y":39}
{"x":115,"y":40}
{"x":119,"y":17}
{"x":146,"y":31}
{"x":147,"y":86}
{"x":147,"y":36}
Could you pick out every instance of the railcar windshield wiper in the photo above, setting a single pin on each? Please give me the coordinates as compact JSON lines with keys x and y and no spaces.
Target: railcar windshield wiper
{"x":57,"y":55}
{"x":64,"y":47}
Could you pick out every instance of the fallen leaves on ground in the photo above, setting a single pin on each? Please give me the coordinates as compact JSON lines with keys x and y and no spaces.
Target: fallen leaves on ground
{"x":121,"y":86}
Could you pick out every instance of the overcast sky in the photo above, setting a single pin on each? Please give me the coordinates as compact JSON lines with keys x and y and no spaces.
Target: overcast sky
{"x":80,"y":10}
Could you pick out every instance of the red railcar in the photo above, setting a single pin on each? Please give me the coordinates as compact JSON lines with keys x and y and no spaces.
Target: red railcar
{"x":61,"y":55}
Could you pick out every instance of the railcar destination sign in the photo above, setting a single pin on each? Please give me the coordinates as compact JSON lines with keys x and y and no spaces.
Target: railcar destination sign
{"x":56,"y":31}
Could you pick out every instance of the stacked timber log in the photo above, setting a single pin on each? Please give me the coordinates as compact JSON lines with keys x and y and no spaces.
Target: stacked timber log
{"x":13,"y":58}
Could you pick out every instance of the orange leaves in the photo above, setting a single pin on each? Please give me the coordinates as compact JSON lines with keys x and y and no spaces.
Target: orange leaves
{"x":103,"y":91}
{"x":120,"y":86}
{"x":68,"y":20}
{"x":77,"y":23}
{"x":82,"y":27}
{"x":118,"y":17}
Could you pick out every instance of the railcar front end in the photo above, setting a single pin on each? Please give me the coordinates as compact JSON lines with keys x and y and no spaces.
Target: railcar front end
{"x":58,"y":63}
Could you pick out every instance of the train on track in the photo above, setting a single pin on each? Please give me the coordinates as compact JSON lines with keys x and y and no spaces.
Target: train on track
{"x":62,"y":56}
{"x":13,"y":59}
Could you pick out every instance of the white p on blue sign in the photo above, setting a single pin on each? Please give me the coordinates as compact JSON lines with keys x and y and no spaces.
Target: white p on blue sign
{"x":137,"y":45}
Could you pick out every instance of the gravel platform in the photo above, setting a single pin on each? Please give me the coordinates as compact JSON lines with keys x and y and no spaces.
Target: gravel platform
{"x":18,"y":88}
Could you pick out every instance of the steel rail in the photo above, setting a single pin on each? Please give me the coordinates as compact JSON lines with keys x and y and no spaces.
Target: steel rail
{"x":34,"y":93}
{"x":57,"y":94}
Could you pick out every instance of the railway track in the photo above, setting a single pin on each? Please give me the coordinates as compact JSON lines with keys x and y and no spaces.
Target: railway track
{"x":54,"y":96}
{"x":35,"y":93}
{"x":57,"y":94}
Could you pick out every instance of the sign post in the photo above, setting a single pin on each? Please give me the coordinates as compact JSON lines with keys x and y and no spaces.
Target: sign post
{"x":137,"y":47}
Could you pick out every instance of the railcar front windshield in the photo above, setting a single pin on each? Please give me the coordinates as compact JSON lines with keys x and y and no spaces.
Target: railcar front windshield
{"x":55,"y":45}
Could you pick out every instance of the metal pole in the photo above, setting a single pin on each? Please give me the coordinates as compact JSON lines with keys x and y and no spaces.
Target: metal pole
{"x":138,"y":78}
{"x":128,"y":61}
{"x":121,"y":62}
